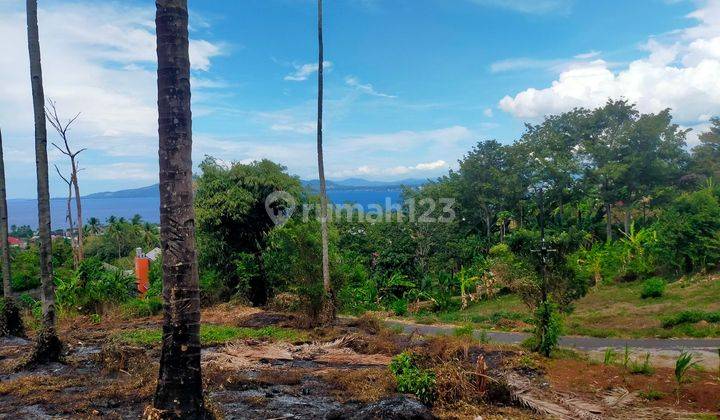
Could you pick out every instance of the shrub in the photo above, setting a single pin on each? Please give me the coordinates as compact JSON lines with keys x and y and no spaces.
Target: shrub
{"x":548,"y":327}
{"x":411,"y":378}
{"x":92,"y":286}
{"x":690,"y":317}
{"x":653,"y":287}
{"x":399,"y":307}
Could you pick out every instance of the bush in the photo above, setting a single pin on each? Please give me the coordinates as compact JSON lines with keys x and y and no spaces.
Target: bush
{"x":142,"y":307}
{"x":653,"y":287}
{"x":92,"y":286}
{"x":690,"y":317}
{"x":411,"y":378}
{"x":399,"y":307}
{"x":548,"y":327}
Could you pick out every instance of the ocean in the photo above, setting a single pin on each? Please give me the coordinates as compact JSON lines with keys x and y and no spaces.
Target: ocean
{"x":24,"y":212}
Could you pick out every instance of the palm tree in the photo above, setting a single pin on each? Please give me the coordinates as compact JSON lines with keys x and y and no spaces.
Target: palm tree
{"x":328,"y":312}
{"x":47,"y":345}
{"x":179,"y":388}
{"x":93,"y":225}
{"x":10,"y":320}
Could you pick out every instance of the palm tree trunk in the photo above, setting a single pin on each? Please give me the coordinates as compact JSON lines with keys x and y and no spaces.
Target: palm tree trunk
{"x":10,"y":319}
{"x":179,"y":388}
{"x":7,"y":292}
{"x":47,"y":345}
{"x":327,"y":286}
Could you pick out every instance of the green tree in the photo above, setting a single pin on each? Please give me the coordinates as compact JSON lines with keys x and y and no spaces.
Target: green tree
{"x":706,"y":155}
{"x":232,"y":218}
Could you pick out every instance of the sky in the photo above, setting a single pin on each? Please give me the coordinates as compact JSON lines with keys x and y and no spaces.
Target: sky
{"x":410,"y":86}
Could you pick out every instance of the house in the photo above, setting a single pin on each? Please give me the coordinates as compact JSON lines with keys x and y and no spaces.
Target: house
{"x":13,"y":241}
{"x":154,"y":254}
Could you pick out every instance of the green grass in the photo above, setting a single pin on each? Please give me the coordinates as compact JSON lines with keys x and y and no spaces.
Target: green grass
{"x":688,"y":308}
{"x":212,"y":335}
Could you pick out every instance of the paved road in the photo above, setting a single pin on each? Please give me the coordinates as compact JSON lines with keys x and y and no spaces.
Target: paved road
{"x":580,"y":343}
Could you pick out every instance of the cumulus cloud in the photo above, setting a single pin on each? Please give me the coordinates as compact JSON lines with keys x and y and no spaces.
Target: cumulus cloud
{"x":98,"y":59}
{"x":367,"y":88}
{"x":679,"y":72}
{"x":304,"y":71}
{"x":375,"y":171}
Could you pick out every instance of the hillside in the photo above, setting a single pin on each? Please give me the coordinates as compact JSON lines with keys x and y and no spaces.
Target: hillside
{"x":615,"y":310}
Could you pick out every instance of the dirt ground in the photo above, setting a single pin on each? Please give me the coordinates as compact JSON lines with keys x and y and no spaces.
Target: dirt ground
{"x":334,"y":373}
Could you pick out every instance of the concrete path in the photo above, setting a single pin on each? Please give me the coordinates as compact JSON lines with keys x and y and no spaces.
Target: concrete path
{"x":665,"y":350}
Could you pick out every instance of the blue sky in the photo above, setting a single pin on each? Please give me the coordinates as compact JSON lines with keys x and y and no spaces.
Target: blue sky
{"x":411,"y":85}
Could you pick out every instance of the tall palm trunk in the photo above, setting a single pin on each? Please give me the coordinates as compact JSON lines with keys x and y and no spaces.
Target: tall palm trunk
{"x":329,"y":304}
{"x":179,"y":388}
{"x":10,"y":320}
{"x":7,"y":292}
{"x":47,"y":345}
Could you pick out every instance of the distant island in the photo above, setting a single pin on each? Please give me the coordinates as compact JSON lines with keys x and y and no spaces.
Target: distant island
{"x":350,"y":184}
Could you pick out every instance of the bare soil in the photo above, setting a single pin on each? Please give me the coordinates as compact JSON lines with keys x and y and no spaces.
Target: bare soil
{"x":340,"y":372}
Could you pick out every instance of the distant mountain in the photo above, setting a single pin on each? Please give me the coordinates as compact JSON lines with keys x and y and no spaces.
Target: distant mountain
{"x":149,"y":191}
{"x":359,"y":183}
{"x":349,"y":184}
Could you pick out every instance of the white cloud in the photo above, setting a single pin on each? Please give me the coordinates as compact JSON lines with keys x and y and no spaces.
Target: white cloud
{"x":681,"y":73}
{"x":394,"y":171}
{"x":122,"y":171}
{"x":529,"y":6}
{"x":99,"y":59}
{"x":304,"y":71}
{"x":367,"y":88}
{"x":488,"y":112}
{"x":552,"y":64}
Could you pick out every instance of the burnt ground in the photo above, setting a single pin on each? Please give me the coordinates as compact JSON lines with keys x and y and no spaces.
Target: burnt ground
{"x":334,"y":373}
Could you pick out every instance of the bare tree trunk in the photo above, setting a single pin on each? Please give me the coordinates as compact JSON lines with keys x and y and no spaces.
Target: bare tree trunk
{"x":329,"y":303}
{"x":47,"y":346}
{"x":10,"y":319}
{"x":69,"y":218}
{"x":179,"y":388}
{"x":78,"y":205}
{"x":62,"y":129}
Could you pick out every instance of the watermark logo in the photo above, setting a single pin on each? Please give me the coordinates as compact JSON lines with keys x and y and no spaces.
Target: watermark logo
{"x":280,"y":206}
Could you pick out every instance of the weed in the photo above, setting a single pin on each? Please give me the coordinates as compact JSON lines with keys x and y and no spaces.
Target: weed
{"x":211,"y":335}
{"x":464,"y":331}
{"x":651,"y":395}
{"x":95,"y":318}
{"x":683,"y":364}
{"x":626,"y":357}
{"x":411,"y":378}
{"x":642,"y":368}
{"x":610,"y":356}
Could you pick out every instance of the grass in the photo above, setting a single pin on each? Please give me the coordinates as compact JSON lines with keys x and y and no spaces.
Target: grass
{"x":688,"y":308}
{"x":212,"y":335}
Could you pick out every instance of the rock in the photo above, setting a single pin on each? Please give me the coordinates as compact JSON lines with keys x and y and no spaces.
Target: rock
{"x":395,"y":408}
